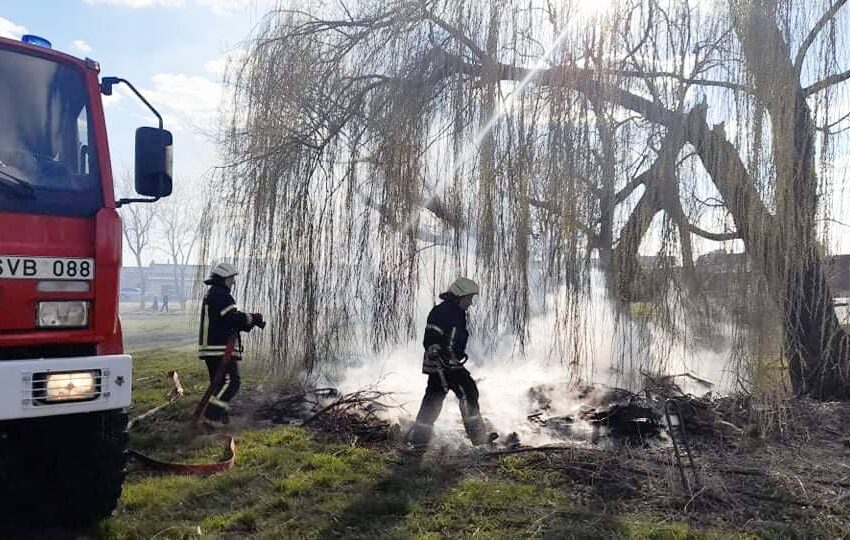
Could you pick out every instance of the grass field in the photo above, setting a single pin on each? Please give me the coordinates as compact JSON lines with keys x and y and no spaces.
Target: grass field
{"x":292,"y":483}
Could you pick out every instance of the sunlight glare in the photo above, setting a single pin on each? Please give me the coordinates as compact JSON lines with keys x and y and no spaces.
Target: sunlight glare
{"x":591,"y":8}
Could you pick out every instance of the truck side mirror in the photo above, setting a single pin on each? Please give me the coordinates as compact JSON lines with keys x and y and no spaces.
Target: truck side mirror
{"x":153,"y":162}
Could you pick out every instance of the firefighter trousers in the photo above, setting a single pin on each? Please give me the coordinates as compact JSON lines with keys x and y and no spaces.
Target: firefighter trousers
{"x":460,"y":382}
{"x":223,"y":392}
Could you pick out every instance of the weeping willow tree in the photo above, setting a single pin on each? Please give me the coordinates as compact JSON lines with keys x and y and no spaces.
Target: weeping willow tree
{"x":530,"y":141}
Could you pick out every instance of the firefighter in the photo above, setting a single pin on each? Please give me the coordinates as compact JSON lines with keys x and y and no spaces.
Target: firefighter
{"x":445,"y":354}
{"x":222,"y":321}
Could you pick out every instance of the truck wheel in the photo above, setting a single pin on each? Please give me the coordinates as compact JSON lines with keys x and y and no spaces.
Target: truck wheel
{"x":64,"y":470}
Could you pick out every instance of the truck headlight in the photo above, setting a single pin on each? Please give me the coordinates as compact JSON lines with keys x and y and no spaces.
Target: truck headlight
{"x":73,"y":314}
{"x":74,"y":386}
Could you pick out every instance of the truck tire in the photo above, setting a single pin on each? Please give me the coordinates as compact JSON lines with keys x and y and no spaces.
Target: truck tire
{"x":63,"y":470}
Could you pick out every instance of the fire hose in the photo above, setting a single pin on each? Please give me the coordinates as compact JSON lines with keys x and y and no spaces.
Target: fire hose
{"x":199,"y":469}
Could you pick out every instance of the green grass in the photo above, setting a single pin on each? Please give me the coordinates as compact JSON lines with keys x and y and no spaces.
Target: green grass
{"x":145,"y":331}
{"x":291,"y":483}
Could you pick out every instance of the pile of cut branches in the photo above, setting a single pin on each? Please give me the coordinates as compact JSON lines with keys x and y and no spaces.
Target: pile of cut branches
{"x":356,"y":415}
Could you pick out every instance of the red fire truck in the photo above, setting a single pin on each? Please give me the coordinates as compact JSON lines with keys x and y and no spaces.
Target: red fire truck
{"x":65,"y":381}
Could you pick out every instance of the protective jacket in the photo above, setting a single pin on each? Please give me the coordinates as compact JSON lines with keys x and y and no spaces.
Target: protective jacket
{"x":445,"y":336}
{"x":221,"y":319}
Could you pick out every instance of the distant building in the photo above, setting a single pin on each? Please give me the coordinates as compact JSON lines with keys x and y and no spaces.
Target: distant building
{"x":655,"y":262}
{"x":175,"y":281}
{"x":838,"y":274}
{"x":718,"y":266}
{"x":721,"y":262}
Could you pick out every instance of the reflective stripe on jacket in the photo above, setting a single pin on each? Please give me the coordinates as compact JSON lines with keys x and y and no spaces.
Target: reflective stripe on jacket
{"x":446,"y":327}
{"x":220,"y":319}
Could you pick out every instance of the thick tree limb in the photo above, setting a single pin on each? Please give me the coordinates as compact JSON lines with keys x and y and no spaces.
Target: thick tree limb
{"x":633,"y":184}
{"x":660,"y":187}
{"x":792,"y":128}
{"x":717,"y":237}
{"x":813,"y":34}
{"x":679,"y":77}
{"x":625,"y":253}
{"x":823,"y":84}
{"x":435,"y":206}
{"x":581,"y":80}
{"x":453,"y":32}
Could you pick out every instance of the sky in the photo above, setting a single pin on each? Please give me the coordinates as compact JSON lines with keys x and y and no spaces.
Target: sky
{"x":174,"y":51}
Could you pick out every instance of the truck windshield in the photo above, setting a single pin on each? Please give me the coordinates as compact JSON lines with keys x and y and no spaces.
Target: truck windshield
{"x":47,"y":153}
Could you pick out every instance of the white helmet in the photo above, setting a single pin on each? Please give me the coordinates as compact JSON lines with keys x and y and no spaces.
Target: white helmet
{"x":463,"y":287}
{"x":224,"y":270}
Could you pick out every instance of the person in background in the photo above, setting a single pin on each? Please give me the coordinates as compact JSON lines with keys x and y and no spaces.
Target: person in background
{"x":221,"y":322}
{"x":445,"y":340}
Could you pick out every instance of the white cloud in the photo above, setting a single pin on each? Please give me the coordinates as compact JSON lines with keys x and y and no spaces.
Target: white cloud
{"x":185,"y":93}
{"x":113,"y":100}
{"x":217,"y":66}
{"x":8,"y":29}
{"x":185,"y":100}
{"x":82,"y":47}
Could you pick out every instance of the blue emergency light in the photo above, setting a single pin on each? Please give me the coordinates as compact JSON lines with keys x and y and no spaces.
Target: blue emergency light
{"x":38,"y":41}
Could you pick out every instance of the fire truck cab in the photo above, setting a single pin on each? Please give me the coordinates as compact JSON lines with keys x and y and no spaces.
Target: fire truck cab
{"x":65,"y":381}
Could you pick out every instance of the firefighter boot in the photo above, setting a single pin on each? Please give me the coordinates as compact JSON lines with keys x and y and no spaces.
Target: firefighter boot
{"x":476,"y":429}
{"x":215,"y":415}
{"x":419,"y":436}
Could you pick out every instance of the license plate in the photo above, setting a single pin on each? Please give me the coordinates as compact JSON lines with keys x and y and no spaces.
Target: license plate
{"x":46,"y":268}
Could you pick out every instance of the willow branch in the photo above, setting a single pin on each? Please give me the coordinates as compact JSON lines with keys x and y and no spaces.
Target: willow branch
{"x":826,"y":83}
{"x":717,"y":237}
{"x":553,"y":208}
{"x":624,"y":193}
{"x":813,"y":33}
{"x":453,"y":32}
{"x":678,"y":77}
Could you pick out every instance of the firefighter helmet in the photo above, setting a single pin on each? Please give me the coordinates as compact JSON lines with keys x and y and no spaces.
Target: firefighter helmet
{"x":463,"y":287}
{"x":223,"y":270}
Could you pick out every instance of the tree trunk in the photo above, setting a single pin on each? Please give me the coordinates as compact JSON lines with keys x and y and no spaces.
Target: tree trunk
{"x":817,"y":348}
{"x":487,"y":153}
{"x":815,"y":345}
{"x":605,"y":239}
{"x":814,"y":342}
{"x":143,"y":281}
{"x":632,"y":283}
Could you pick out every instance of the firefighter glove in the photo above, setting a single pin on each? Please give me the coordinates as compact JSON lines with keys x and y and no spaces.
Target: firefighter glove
{"x":257,"y":320}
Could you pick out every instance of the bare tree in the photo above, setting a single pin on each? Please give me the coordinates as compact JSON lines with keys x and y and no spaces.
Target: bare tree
{"x":343,"y":109}
{"x":180,"y":230}
{"x":139,"y":222}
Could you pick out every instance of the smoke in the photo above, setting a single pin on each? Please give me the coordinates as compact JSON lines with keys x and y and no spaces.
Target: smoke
{"x":613,"y":351}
